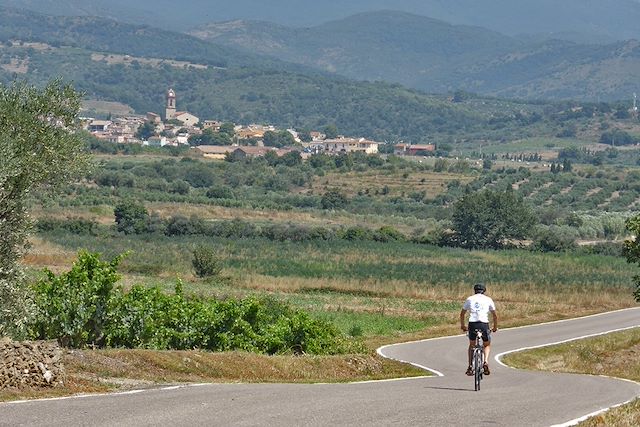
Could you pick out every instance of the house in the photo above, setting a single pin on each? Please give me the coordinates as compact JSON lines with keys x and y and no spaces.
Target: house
{"x":157,"y":141}
{"x":317,"y":136}
{"x":248,"y":152}
{"x":245,"y":152}
{"x":217,"y":152}
{"x":413,"y":150}
{"x":154,"y":118}
{"x":185,"y":118}
{"x":212,"y":124}
{"x":99,"y":125}
{"x":350,"y":145}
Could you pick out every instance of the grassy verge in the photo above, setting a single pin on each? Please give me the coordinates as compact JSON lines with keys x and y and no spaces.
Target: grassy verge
{"x":614,"y":355}
{"x":92,"y":371}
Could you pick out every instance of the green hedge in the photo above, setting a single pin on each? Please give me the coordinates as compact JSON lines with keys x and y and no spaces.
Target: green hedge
{"x":83,"y":307}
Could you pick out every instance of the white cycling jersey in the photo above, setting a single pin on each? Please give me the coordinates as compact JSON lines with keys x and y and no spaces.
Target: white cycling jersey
{"x":479,"y":306}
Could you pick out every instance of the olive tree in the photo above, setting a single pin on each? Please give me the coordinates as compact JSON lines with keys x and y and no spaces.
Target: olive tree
{"x":489,"y":219}
{"x":632,"y":250}
{"x":39,"y":149}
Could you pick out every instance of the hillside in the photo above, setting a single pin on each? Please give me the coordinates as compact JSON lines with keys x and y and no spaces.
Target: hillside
{"x":601,"y":19}
{"x":435,"y":56}
{"x":107,"y":35}
{"x":242,"y":94}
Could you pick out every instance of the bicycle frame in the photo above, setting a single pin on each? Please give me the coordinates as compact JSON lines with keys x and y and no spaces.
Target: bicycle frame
{"x":477,"y":359}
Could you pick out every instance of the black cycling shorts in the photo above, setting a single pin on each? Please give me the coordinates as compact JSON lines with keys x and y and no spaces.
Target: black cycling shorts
{"x":484,"y":327}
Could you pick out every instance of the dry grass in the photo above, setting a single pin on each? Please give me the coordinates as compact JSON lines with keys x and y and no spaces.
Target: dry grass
{"x":95,"y":371}
{"x":198,"y":366}
{"x":616,"y":355}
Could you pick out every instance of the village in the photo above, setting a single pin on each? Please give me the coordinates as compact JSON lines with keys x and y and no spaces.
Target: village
{"x":181,"y":128}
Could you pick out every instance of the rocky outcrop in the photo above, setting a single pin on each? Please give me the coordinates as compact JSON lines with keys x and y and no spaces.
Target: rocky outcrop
{"x":31,"y":364}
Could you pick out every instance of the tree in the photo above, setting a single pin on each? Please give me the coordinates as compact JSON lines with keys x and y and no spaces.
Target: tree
{"x":632,"y":250}
{"x":205,"y":263}
{"x":40,"y":148}
{"x":488,"y":219}
{"x":146,"y":131}
{"x":131,"y":217}
{"x":333,"y":199}
{"x":330,"y":131}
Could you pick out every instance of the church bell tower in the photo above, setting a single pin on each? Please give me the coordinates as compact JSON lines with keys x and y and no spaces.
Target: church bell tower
{"x":171,"y":104}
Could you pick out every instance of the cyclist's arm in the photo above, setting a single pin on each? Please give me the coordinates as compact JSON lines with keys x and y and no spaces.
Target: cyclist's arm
{"x":494,"y":314}
{"x":463,"y":325}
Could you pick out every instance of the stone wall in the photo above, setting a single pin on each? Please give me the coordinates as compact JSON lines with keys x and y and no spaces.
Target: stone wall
{"x":31,"y":364}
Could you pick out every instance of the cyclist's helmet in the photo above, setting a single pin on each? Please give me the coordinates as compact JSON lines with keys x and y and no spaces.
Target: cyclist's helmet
{"x":479,"y":288}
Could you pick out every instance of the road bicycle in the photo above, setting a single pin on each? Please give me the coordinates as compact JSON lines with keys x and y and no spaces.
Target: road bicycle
{"x":476,"y":360}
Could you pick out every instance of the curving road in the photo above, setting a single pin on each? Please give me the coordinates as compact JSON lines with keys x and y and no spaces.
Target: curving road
{"x":508,"y":397}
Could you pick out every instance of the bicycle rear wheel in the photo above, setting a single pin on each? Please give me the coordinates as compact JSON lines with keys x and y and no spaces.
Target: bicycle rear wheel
{"x":477,"y":368}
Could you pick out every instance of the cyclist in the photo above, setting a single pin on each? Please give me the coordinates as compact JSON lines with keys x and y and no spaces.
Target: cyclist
{"x":479,"y":306}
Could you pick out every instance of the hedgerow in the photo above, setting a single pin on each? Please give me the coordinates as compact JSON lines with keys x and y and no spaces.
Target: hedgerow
{"x":84,"y":307}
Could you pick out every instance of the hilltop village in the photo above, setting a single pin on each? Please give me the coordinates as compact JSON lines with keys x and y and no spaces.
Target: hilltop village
{"x":217,"y":139}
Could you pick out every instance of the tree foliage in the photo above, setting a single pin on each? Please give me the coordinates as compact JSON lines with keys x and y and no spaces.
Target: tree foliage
{"x":39,"y":148}
{"x":488,"y":219}
{"x":84,"y":307}
{"x":632,"y":250}
{"x":131,"y":217}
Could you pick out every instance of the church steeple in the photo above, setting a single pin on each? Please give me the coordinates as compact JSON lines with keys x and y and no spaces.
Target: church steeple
{"x":171,"y":104}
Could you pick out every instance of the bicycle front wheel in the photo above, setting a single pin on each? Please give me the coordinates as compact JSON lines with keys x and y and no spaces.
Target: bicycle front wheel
{"x":477,"y":368}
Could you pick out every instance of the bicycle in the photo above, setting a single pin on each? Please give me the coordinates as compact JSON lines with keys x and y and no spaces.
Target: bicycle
{"x":476,"y":360}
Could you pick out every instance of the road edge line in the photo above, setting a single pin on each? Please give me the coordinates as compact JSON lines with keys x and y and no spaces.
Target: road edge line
{"x":575,"y":421}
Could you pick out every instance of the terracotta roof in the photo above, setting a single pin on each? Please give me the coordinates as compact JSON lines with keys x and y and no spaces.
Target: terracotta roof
{"x":216,"y":149}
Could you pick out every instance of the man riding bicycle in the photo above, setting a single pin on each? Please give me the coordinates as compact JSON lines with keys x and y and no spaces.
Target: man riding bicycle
{"x":479,"y":306}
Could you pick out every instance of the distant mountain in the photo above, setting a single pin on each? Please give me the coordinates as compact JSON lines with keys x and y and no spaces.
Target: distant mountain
{"x":435,"y":56}
{"x":223,"y":84}
{"x":103,"y":34}
{"x":602,"y":19}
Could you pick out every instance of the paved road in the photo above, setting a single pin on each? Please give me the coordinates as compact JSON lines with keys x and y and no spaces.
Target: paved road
{"x":508,"y":397}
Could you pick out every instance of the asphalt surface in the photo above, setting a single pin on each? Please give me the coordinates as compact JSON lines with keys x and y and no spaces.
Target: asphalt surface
{"x":508,"y":397}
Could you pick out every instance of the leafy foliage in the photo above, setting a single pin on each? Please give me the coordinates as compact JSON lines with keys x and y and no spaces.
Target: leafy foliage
{"x":489,"y":218}
{"x":333,"y":199}
{"x":632,"y":250}
{"x":205,"y":263}
{"x":84,"y":307}
{"x":38,"y":149}
{"x":74,"y":306}
{"x":131,"y":217}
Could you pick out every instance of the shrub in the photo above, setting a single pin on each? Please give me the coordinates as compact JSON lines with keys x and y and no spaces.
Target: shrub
{"x":221,"y":192}
{"x":77,"y":226}
{"x":554,"y":239}
{"x":73,"y":307}
{"x":82,"y":307}
{"x":183,"y":226}
{"x":356,"y":233}
{"x":205,"y":263}
{"x":131,"y":217}
{"x":333,"y":199}
{"x":388,"y":233}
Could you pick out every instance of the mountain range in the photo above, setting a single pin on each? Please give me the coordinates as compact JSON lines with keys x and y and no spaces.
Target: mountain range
{"x":436,"y":56}
{"x":594,"y":19}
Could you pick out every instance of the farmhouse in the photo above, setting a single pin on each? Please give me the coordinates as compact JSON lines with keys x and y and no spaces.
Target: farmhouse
{"x":413,"y":150}
{"x":349,"y":145}
{"x":217,"y":152}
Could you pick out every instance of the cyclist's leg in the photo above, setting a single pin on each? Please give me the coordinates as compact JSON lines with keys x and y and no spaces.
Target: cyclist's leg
{"x":487,"y":348}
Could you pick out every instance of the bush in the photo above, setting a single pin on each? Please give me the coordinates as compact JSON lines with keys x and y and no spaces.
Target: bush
{"x":73,"y":307}
{"x":205,"y":263}
{"x":222,"y":192}
{"x":554,"y":239}
{"x":131,"y":217}
{"x":78,"y":226}
{"x":333,"y":199}
{"x":82,"y":307}
{"x":388,"y":233}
